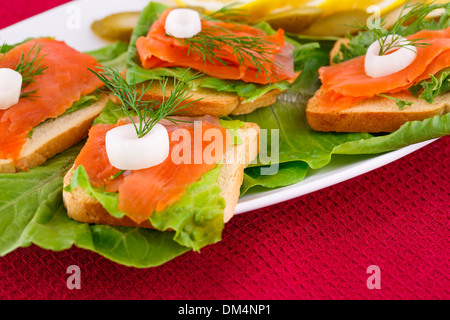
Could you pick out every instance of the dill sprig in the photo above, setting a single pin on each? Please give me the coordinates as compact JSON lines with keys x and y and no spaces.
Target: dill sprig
{"x":209,"y":45}
{"x":211,"y":42}
{"x":148,"y":113}
{"x":30,"y":66}
{"x":411,"y":20}
{"x":228,"y":13}
{"x":3,"y":49}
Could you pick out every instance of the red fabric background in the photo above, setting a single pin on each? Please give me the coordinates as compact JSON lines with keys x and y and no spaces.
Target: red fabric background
{"x":315,"y":247}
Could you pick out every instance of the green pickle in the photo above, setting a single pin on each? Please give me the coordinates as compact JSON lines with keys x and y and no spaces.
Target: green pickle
{"x":116,"y":27}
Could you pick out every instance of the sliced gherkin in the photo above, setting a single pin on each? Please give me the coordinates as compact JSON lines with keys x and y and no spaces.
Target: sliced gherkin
{"x":118,"y":26}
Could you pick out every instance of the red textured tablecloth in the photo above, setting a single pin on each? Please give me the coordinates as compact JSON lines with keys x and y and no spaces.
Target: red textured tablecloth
{"x":318,"y":246}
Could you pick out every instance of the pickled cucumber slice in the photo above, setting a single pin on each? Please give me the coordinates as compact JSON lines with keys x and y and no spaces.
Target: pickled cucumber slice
{"x":295,"y":20}
{"x":338,"y":24}
{"x":118,"y":26}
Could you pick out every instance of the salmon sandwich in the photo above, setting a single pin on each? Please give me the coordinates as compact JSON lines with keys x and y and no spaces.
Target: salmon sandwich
{"x":404,"y":76}
{"x":243,"y":67}
{"x":144,"y":167}
{"x":48,"y":100}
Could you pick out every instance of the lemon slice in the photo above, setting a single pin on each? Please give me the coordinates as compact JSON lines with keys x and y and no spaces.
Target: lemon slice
{"x":261,"y":8}
{"x":332,"y":6}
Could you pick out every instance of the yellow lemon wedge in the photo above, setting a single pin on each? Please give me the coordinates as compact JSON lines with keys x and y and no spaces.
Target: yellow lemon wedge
{"x":260,"y":8}
{"x":332,"y":6}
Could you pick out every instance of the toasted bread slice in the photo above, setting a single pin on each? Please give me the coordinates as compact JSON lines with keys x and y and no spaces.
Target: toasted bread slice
{"x":210,"y":101}
{"x":376,"y":114}
{"x":83,"y":208}
{"x":54,"y":136}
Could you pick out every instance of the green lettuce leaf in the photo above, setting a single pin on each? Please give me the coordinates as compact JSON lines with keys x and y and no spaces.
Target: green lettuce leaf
{"x":110,"y":114}
{"x":113,"y":56}
{"x":288,"y":173}
{"x":233,"y":126}
{"x":84,"y":102}
{"x":435,"y":86}
{"x":108,"y":200}
{"x":197,"y":217}
{"x":4,"y":48}
{"x":250,"y":91}
{"x":32,"y":212}
{"x":27,"y":198}
{"x":356,"y":47}
{"x":410,"y":133}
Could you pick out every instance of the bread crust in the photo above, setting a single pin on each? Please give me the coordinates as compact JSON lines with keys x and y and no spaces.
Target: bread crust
{"x":54,"y":136}
{"x":210,"y":101}
{"x":266,"y":100}
{"x":377,"y":114}
{"x":84,"y":208}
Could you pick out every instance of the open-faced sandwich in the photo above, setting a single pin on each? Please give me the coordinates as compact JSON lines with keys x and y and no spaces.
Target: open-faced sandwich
{"x":243,"y":67}
{"x":143,"y":167}
{"x":403,"y":76}
{"x":48,"y":100}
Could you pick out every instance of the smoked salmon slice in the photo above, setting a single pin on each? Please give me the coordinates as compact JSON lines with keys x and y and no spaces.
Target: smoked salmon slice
{"x":160,"y":50}
{"x":142,"y":192}
{"x":65,"y":80}
{"x":346,"y":83}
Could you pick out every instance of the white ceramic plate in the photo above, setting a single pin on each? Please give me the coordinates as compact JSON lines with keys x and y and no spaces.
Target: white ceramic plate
{"x":71,"y":23}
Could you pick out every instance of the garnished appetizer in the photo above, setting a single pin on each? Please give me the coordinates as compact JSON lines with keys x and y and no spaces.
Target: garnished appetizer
{"x":243,"y":67}
{"x":144,"y":167}
{"x":403,"y":76}
{"x":48,"y":100}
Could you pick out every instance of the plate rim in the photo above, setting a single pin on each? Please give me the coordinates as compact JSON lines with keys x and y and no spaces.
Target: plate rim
{"x":298,"y":190}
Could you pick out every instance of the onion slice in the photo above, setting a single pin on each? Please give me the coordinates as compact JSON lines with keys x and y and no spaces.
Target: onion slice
{"x":128,"y":152}
{"x":10,"y":87}
{"x":183,"y":23}
{"x":377,"y":66}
